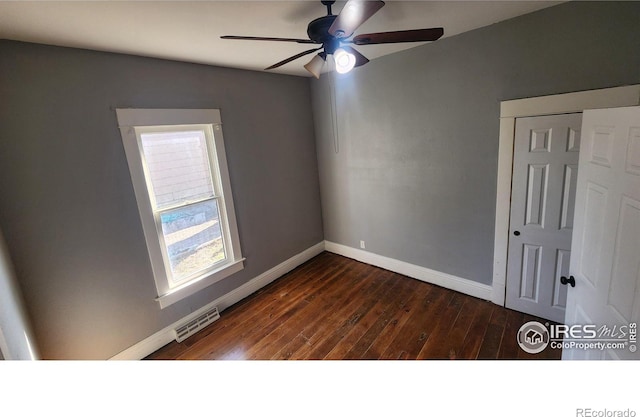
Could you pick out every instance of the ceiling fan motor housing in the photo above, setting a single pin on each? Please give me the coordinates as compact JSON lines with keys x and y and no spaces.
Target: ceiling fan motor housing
{"x":318,"y":31}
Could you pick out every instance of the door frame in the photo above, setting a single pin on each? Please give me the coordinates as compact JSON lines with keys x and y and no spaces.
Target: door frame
{"x":528,"y":107}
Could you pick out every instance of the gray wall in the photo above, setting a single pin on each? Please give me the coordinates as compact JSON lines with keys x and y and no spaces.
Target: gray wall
{"x":67,"y":206}
{"x":415,"y":176}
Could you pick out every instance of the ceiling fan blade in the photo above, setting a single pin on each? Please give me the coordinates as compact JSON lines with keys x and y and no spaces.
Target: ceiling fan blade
{"x":360,"y":59}
{"x":259,"y":38}
{"x":353,"y":14}
{"x":416,"y":35}
{"x":286,"y":61}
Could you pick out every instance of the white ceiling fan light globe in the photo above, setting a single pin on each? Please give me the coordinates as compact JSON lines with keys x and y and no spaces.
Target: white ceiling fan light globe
{"x":315,"y":65}
{"x":344,"y":60}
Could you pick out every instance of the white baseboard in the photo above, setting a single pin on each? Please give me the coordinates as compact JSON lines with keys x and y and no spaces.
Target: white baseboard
{"x":451,"y":282}
{"x":167,"y":335}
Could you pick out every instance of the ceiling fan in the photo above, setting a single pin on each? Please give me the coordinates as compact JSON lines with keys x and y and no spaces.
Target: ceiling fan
{"x":333,"y":34}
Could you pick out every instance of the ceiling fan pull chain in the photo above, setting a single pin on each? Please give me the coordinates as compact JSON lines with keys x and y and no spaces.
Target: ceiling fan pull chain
{"x":333,"y":103}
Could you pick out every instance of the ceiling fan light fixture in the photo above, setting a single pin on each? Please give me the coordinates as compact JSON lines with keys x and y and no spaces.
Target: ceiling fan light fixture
{"x":315,"y":65}
{"x":344,"y":60}
{"x":330,"y":32}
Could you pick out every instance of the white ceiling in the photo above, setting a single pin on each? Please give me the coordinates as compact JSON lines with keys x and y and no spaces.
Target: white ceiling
{"x":190,"y":30}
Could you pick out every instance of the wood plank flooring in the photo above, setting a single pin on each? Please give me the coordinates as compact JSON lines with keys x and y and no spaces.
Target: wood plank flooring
{"x":333,"y":307}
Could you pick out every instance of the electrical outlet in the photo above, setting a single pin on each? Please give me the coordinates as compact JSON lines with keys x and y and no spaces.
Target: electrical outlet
{"x":362,"y":244}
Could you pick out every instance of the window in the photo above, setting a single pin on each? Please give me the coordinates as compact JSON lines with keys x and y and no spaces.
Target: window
{"x":179,"y":172}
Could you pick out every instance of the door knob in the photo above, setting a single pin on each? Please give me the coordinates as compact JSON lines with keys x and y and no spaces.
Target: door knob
{"x":517,"y":233}
{"x":571,"y":281}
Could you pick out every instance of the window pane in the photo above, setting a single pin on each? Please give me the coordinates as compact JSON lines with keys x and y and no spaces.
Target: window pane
{"x":178,"y":165}
{"x":193,"y":238}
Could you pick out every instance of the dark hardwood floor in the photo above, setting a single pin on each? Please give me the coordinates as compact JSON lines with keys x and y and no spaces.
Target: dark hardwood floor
{"x":333,"y":307}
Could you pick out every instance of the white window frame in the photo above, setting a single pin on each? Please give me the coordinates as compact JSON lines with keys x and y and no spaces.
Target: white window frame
{"x":133,"y":122}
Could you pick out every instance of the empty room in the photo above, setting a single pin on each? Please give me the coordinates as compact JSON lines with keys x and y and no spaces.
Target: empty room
{"x":319,"y":180}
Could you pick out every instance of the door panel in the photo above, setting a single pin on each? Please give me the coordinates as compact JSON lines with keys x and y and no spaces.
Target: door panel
{"x":633,"y":156}
{"x":625,"y":260}
{"x":545,"y":167}
{"x":562,"y":270}
{"x":591,"y":243}
{"x":530,"y":274}
{"x":536,"y":194}
{"x":573,"y":144}
{"x":606,"y":239}
{"x":568,"y":196}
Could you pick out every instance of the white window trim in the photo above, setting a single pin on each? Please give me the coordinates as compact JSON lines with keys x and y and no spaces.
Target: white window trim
{"x":128,"y":121}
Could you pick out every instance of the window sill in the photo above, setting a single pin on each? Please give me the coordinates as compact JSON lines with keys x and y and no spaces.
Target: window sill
{"x":191,"y":287}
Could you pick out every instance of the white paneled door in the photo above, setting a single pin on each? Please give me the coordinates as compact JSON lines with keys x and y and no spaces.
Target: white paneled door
{"x":545,"y":165}
{"x":605,"y":263}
